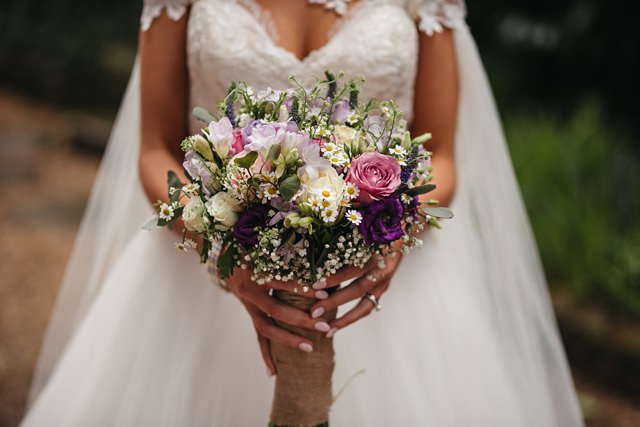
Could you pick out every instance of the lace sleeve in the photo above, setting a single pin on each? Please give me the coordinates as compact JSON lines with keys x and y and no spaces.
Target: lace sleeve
{"x":153,"y":8}
{"x":434,"y":15}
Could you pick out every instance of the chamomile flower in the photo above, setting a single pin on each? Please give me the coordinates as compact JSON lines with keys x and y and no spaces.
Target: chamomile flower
{"x":191,"y":187}
{"x":351,"y":191}
{"x":330,"y":148}
{"x":166,"y":212}
{"x":180,"y":246}
{"x":353,"y":119}
{"x":323,"y":132}
{"x":398,"y":151}
{"x":405,"y":198}
{"x":354,"y":217}
{"x":268,"y":191}
{"x":313,"y":202}
{"x":329,"y":214}
{"x":190,"y":244}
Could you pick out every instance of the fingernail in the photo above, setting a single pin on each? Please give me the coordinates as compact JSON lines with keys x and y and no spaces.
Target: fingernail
{"x":322,"y":326}
{"x":269,"y":372}
{"x":305,"y":347}
{"x":320,"y":284}
{"x":332,"y":332}
{"x":317,"y":312}
{"x":322,"y":294}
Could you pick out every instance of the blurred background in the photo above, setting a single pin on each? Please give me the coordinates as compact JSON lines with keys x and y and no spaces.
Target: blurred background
{"x":565,"y":75}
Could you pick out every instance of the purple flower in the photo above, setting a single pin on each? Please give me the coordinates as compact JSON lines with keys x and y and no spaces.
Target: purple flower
{"x":381,"y":222}
{"x":283,"y":207}
{"x":197,"y":170}
{"x":247,"y":227}
{"x":341,"y":111}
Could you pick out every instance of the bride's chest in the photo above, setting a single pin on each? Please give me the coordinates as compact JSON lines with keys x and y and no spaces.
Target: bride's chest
{"x":228,"y":41}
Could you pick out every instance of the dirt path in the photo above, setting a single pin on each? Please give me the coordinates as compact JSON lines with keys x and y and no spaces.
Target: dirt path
{"x":45,"y":184}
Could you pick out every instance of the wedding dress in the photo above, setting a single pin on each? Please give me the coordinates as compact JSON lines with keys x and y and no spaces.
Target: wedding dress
{"x":467,"y":337}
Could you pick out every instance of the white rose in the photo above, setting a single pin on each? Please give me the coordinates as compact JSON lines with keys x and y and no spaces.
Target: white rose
{"x":327,"y":179}
{"x":224,"y":208}
{"x":193,"y":215}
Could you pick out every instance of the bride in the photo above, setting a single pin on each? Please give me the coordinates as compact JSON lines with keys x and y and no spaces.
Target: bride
{"x":467,"y":337}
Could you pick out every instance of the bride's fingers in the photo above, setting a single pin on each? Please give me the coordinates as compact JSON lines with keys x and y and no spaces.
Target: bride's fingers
{"x":362,"y":309}
{"x":355,"y":290}
{"x":289,"y":315}
{"x":265,"y":350}
{"x":269,"y":330}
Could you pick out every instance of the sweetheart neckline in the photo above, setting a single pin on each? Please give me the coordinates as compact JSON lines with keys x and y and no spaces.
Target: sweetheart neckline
{"x":339,"y":27}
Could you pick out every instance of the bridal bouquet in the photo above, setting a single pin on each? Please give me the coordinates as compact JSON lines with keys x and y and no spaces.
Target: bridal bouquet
{"x":295,"y":185}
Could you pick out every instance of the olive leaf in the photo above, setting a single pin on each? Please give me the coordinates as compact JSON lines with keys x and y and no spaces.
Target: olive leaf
{"x":420,"y":189}
{"x":438,"y":212}
{"x":203,"y":115}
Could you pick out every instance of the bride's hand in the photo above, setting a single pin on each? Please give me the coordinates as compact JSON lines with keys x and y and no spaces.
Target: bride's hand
{"x":263,"y":308}
{"x":375,"y":281}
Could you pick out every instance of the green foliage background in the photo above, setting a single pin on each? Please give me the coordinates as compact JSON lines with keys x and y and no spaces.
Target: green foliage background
{"x":565,"y":77}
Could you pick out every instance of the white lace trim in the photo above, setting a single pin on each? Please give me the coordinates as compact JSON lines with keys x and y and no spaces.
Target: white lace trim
{"x":339,"y":6}
{"x":434,"y":15}
{"x":153,"y":8}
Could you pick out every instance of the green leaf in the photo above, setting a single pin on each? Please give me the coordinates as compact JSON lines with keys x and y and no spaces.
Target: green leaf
{"x":204,"y":252}
{"x":289,"y":186}
{"x":438,"y":212}
{"x":247,"y":160}
{"x":420,"y":189}
{"x":274,"y":152}
{"x":174,"y":182}
{"x":226,"y":261}
{"x":203,"y":115}
{"x":422,"y":138}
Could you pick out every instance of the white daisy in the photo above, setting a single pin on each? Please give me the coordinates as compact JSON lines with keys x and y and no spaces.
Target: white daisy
{"x":180,"y":246}
{"x":313,"y":202}
{"x":268,"y":191}
{"x":353,"y":119}
{"x":190,"y":244}
{"x":398,"y":151}
{"x":166,"y":212}
{"x":330,"y":148}
{"x":351,"y":191}
{"x":405,"y":198}
{"x":191,"y":187}
{"x":329,"y":214}
{"x":354,"y":217}
{"x":323,"y":132}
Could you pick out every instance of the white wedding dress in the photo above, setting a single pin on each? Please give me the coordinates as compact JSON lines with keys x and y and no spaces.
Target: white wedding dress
{"x":467,"y":337}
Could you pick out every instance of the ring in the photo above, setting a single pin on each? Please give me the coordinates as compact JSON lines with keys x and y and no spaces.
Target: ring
{"x":372,"y":277}
{"x":374,"y":300}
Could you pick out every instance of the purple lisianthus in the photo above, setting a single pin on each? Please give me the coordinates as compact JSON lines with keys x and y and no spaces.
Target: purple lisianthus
{"x":341,"y":112}
{"x":381,"y":222}
{"x":246,"y":229}
{"x":196,"y":169}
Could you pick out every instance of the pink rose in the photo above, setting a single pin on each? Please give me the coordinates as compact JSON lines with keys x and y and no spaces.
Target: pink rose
{"x":238,"y":141}
{"x":376,"y":175}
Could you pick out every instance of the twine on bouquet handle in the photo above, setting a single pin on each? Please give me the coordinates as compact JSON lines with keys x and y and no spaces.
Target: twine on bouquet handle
{"x":303,"y":387}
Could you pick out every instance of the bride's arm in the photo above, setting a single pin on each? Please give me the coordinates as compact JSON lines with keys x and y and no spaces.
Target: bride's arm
{"x":164,"y":103}
{"x":435,"y":111}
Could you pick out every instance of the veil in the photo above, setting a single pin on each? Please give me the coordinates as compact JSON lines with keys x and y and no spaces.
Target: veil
{"x":487,"y":203}
{"x":116,"y":208}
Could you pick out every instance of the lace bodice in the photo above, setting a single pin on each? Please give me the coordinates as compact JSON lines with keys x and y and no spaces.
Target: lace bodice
{"x":375,"y":39}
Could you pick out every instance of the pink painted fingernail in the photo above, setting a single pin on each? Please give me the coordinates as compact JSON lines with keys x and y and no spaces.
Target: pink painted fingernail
{"x":321,"y":284}
{"x":322,"y":326}
{"x":322,"y":294}
{"x":317,"y":312}
{"x":305,"y":347}
{"x":332,"y":332}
